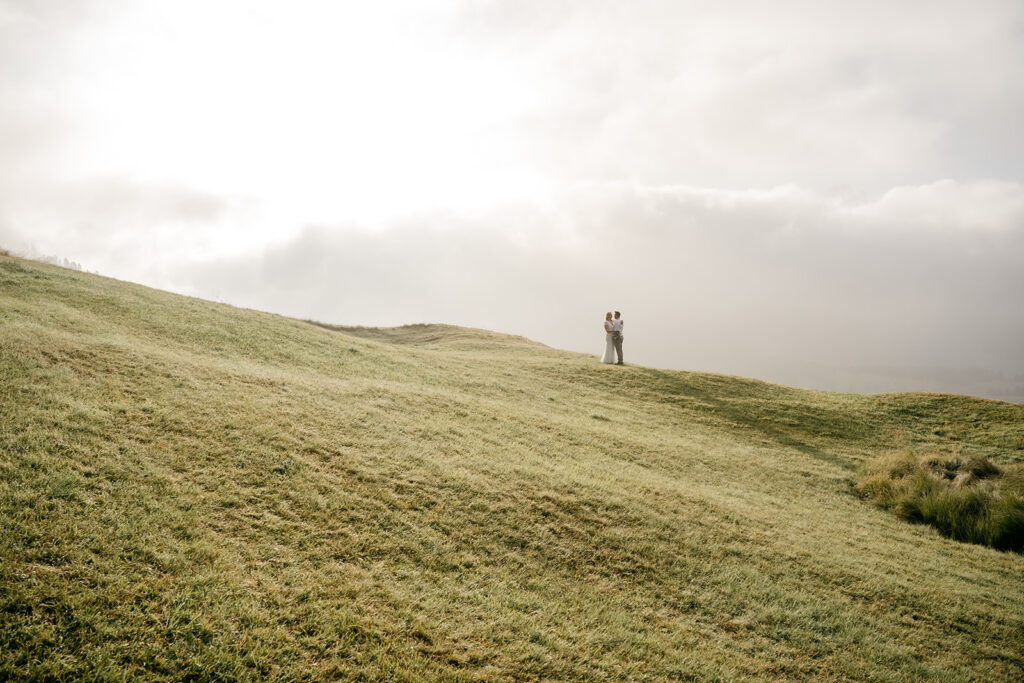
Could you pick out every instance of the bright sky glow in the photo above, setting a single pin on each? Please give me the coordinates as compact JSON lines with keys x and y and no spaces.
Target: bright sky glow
{"x":360,"y":111}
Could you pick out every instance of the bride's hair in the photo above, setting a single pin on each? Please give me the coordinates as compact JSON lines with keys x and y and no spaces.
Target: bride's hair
{"x":607,"y":315}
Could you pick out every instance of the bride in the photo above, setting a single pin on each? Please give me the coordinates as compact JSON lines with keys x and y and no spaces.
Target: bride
{"x":609,"y":348}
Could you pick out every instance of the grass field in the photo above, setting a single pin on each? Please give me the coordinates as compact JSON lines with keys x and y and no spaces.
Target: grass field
{"x":194,"y":491}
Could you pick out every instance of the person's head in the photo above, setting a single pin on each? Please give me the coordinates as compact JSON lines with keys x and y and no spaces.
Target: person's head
{"x":617,"y":315}
{"x":608,"y":316}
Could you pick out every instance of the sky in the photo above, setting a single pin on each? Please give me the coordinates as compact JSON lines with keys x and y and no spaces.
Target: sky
{"x":822,"y":193}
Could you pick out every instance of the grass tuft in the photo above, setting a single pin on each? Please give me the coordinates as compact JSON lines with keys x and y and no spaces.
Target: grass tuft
{"x":966,"y":498}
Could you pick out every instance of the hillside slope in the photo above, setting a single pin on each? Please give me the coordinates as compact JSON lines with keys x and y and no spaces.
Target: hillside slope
{"x":192,"y":490}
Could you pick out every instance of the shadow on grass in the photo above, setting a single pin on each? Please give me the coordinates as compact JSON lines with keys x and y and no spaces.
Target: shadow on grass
{"x":744,"y":413}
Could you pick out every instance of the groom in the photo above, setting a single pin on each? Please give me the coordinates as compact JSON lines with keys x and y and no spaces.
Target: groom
{"x":617,"y":336}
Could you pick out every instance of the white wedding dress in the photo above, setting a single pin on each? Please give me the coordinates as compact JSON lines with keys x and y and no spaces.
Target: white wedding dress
{"x":609,"y":349}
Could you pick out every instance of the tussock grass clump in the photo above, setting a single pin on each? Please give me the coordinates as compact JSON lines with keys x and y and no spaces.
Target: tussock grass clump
{"x":967,"y":498}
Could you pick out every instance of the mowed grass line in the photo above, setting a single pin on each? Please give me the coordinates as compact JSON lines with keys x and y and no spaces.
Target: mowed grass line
{"x":188,"y":489}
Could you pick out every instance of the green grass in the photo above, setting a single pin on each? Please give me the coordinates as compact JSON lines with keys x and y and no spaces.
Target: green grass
{"x":193,"y":491}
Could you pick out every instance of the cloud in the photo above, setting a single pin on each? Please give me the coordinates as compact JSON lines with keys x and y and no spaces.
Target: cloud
{"x":41,"y":44}
{"x":946,"y":205}
{"x":749,"y":282}
{"x":739,"y":94}
{"x":432,"y":104}
{"x":115,"y":225}
{"x":118,"y":201}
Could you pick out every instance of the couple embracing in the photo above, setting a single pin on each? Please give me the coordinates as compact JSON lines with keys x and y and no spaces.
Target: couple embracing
{"x":613,"y":338}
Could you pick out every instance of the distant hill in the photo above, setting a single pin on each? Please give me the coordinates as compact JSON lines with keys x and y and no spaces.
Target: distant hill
{"x":194,"y":491}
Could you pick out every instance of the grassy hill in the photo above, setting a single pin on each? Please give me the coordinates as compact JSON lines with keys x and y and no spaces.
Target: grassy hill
{"x":193,"y":491}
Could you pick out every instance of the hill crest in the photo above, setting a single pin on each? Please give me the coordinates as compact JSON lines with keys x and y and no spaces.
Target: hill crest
{"x":193,"y":490}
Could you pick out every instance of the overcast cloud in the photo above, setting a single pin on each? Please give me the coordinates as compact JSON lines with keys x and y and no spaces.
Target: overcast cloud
{"x":828,"y":194}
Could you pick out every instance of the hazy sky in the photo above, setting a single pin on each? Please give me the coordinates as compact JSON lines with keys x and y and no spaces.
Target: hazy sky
{"x":822,"y":193}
